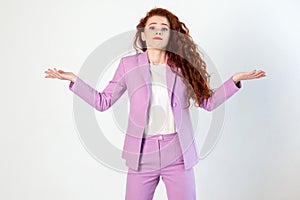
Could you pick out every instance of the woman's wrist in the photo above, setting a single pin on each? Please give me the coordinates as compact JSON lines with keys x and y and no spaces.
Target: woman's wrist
{"x":73,"y":79}
{"x":235,"y":79}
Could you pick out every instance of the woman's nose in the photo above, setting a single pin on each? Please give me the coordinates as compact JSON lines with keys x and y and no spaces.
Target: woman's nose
{"x":158,"y":32}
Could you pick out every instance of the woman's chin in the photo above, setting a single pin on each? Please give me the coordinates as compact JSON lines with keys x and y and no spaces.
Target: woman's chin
{"x":161,"y":48}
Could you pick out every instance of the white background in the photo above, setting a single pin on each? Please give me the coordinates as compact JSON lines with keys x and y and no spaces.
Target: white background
{"x":41,"y":154}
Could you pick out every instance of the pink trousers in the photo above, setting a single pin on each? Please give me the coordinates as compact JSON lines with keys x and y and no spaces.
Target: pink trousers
{"x":161,"y":157}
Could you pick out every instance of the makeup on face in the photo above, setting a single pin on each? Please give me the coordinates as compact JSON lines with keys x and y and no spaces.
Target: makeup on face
{"x":156,"y":32}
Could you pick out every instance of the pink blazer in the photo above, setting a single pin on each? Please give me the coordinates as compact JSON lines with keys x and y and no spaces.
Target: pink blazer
{"x":133,"y":75}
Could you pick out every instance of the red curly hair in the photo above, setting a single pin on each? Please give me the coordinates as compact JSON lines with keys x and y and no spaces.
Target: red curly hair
{"x":182,"y":53}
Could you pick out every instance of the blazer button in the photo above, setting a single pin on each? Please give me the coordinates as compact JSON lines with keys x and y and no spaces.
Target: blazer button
{"x":174,"y":104}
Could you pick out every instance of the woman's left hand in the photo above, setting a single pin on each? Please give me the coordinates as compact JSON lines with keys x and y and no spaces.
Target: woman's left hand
{"x":248,"y":75}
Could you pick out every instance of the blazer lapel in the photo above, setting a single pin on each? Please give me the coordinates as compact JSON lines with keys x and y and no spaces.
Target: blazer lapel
{"x":143,"y":62}
{"x":170,"y":77}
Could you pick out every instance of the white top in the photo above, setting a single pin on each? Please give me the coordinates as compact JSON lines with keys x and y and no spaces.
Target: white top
{"x":160,"y":116}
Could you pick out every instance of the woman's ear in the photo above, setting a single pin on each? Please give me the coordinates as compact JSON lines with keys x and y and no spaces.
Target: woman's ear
{"x":143,"y":36}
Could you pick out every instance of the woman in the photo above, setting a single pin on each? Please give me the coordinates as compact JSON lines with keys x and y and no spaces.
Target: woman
{"x":161,"y":81}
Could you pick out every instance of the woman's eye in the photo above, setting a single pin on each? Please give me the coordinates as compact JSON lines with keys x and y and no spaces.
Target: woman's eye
{"x":162,"y":29}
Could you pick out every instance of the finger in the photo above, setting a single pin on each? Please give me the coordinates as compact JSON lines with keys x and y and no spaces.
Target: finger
{"x":53,"y":74}
{"x":49,"y":76}
{"x":53,"y":71}
{"x":252,"y":72}
{"x":58,"y":75}
{"x":260,"y":75}
{"x":50,"y":70}
{"x":261,"y":72}
{"x":256,"y":74}
{"x":57,"y":72}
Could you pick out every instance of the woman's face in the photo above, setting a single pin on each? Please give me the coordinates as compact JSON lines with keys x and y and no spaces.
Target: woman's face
{"x":156,"y":32}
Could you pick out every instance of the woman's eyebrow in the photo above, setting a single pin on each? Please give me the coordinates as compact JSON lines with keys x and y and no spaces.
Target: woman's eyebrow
{"x":156,"y":23}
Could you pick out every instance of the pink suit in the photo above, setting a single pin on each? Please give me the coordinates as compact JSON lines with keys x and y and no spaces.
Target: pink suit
{"x":133,"y":75}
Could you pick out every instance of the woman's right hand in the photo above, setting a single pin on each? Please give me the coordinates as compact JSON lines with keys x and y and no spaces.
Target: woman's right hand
{"x":60,"y":74}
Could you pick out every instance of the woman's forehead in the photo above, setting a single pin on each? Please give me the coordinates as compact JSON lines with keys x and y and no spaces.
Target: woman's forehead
{"x":160,"y":20}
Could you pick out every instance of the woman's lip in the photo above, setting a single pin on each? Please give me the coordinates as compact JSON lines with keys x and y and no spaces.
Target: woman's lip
{"x":157,"y":38}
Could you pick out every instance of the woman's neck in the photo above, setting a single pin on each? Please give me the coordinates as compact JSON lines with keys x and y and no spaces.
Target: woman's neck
{"x":156,"y":56}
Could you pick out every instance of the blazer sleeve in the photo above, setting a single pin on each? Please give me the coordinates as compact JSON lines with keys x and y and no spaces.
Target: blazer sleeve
{"x":105,"y":99}
{"x":221,"y":94}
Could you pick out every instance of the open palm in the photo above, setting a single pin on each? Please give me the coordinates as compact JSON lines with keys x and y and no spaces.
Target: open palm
{"x":248,"y":75}
{"x":60,"y":74}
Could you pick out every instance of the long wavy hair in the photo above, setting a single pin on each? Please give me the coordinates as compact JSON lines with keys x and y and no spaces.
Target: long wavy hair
{"x":182,"y":53}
